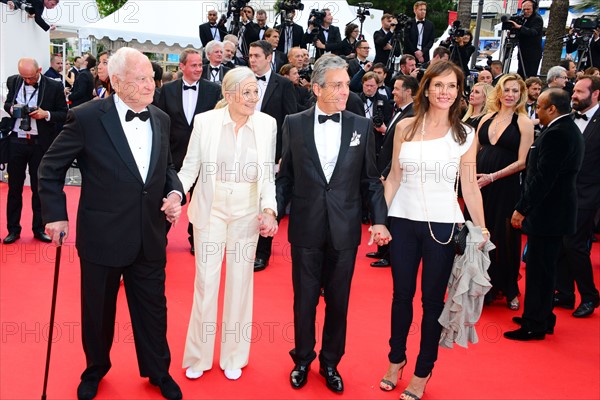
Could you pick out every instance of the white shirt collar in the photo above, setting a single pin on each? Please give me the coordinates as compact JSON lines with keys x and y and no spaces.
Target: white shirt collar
{"x":122,"y":108}
{"x":189,"y":84}
{"x":556,"y":119}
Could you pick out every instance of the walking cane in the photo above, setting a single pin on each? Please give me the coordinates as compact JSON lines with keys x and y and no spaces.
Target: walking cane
{"x":52,"y":310}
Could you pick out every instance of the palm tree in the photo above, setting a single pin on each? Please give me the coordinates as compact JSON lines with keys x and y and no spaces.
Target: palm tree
{"x":556,"y":30}
{"x":464,"y":13}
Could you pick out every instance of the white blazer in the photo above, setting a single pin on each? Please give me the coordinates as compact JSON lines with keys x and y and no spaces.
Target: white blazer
{"x":200,"y":163}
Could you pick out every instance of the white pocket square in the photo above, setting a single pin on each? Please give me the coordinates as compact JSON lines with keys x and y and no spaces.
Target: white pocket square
{"x":355,"y":141}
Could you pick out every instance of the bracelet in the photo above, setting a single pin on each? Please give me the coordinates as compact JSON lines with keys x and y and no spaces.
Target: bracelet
{"x":485,"y":231}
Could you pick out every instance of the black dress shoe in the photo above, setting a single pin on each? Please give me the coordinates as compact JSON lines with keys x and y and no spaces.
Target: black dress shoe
{"x":42,"y":237}
{"x":586,"y":308}
{"x":260,"y":264}
{"x":563,"y":302}
{"x":524,"y":335}
{"x":299,"y":376}
{"x":375,"y":254}
{"x":380,"y":263}
{"x":11,"y":237}
{"x":519,"y":321}
{"x":332,"y":379}
{"x":87,"y":389}
{"x":168,"y":387}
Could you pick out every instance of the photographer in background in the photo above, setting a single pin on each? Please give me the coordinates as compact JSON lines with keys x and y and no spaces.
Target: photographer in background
{"x":212,"y":30}
{"x":419,"y":35}
{"x":35,"y":9}
{"x":580,"y":40}
{"x":377,"y":107}
{"x":291,"y":34}
{"x":463,"y":49}
{"x":322,"y":34}
{"x":383,"y":39}
{"x":530,"y":39}
{"x":36,"y":105}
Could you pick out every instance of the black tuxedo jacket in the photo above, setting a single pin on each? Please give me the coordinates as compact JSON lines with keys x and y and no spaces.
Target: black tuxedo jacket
{"x":324,"y":211}
{"x":279,"y":101}
{"x":119,"y":214}
{"x":206,"y":33}
{"x":250,"y":35}
{"x":261,"y":31}
{"x":206,"y":72}
{"x":297,"y":37}
{"x":387,"y":148}
{"x":332,"y":44}
{"x":593,"y":59}
{"x":388,"y":109}
{"x":354,"y":67}
{"x":171,"y":102}
{"x":380,"y":38}
{"x":549,"y":196}
{"x":588,"y":179}
{"x":50,"y":97}
{"x":530,"y":41}
{"x":411,"y":38}
{"x":83,"y":88}
{"x":280,"y":60}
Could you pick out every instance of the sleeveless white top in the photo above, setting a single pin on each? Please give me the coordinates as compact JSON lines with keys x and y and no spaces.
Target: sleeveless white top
{"x":432,"y":173}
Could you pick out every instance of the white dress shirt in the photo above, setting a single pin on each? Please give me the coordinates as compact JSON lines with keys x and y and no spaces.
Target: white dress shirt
{"x":262,"y":88}
{"x":30,"y":97}
{"x":581,"y":124}
{"x":190,"y":98}
{"x":328,"y":139}
{"x":139,"y":137}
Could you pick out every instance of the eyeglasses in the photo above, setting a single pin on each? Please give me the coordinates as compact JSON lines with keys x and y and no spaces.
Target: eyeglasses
{"x":364,"y":48}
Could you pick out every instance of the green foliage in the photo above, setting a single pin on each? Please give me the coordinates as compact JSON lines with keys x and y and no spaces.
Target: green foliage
{"x":107,"y":7}
{"x":437,"y":10}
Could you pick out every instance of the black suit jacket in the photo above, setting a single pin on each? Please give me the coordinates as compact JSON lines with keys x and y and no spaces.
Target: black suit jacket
{"x":593,"y":58}
{"x":411,"y":38}
{"x":322,"y":211}
{"x":549,"y":196}
{"x":380,"y":38}
{"x":50,"y":97}
{"x":206,"y":33}
{"x":354,"y":67}
{"x":588,"y":179}
{"x":387,"y":148}
{"x":171,"y":102}
{"x":333,"y":43}
{"x":279,"y":101}
{"x":388,"y":109}
{"x":83,"y":88}
{"x":280,"y":60}
{"x":297,"y":37}
{"x":530,"y":41}
{"x":119,"y":214}
{"x":250,"y":35}
{"x":206,"y":72}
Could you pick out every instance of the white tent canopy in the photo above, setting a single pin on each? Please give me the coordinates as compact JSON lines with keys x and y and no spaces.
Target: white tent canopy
{"x":168,"y":27}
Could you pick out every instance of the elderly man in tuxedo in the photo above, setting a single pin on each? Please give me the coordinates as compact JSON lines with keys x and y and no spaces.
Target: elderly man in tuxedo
{"x":129,"y":187}
{"x":182,"y":100}
{"x":548,"y":190}
{"x":213,"y":70}
{"x":328,"y":157}
{"x":419,"y":35}
{"x":46,"y":101}
{"x":575,"y":265}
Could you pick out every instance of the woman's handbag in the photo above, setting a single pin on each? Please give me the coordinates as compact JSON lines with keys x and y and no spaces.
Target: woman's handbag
{"x":459,"y":238}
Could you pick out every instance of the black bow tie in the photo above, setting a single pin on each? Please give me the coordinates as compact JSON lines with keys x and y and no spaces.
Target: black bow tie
{"x":186,"y":87}
{"x":362,"y":62}
{"x":420,"y":22}
{"x":397,"y":110}
{"x":261,"y":78}
{"x":213,"y":26}
{"x":325,"y":30}
{"x":35,"y":85}
{"x":333,"y":117}
{"x":144,"y":115}
{"x":371,"y":98}
{"x":579,"y":115}
{"x":213,"y":69}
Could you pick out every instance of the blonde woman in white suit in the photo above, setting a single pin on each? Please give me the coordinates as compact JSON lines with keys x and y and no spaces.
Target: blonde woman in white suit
{"x":230,"y":155}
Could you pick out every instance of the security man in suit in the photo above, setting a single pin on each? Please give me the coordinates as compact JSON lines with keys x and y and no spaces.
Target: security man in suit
{"x":28,"y":141}
{"x":549,"y":189}
{"x":211,"y":30}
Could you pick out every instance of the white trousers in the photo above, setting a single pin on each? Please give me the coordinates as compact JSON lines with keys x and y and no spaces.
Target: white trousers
{"x":232,"y":231}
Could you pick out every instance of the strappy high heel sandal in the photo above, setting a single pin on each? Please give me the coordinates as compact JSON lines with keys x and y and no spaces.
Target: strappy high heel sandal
{"x":386,"y":385}
{"x":408,"y":395}
{"x":514,"y":304}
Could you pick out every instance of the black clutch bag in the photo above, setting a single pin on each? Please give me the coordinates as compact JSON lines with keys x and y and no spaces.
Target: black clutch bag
{"x":459,"y":238}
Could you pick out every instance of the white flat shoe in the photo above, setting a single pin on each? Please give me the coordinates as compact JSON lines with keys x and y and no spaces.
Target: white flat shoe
{"x":233,"y":374}
{"x":193,"y":375}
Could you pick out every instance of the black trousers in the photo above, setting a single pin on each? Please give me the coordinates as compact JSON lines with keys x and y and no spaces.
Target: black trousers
{"x":575,"y":264}
{"x":540,"y":280}
{"x":23,"y":153}
{"x":144,"y":283}
{"x":313,"y":269}
{"x":412,"y":244}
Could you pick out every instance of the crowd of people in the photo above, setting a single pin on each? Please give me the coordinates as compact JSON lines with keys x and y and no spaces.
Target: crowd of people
{"x":251,"y":126}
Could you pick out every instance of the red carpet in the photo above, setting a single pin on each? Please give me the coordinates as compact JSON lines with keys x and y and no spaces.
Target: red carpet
{"x":564,"y":366}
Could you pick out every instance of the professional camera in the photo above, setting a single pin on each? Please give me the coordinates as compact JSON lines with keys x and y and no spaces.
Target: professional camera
{"x":586,"y":23}
{"x":507,"y":26}
{"x":305,"y":73}
{"x":404,"y":22}
{"x":455,"y":31}
{"x":22,"y":111}
{"x":289,"y":5}
{"x":363,"y":10}
{"x":378,"y":114}
{"x":23,"y":5}
{"x":235,"y":7}
{"x":319,"y":17}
